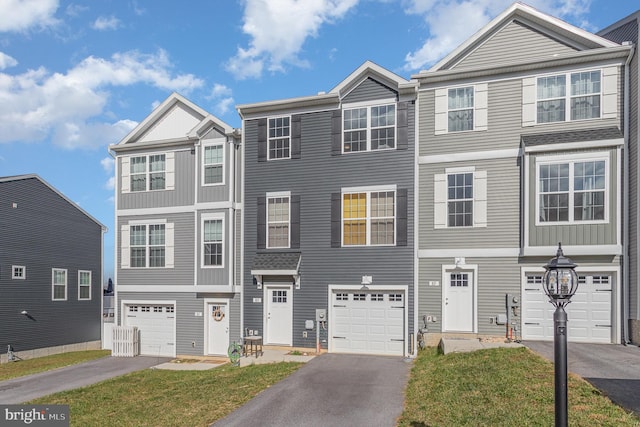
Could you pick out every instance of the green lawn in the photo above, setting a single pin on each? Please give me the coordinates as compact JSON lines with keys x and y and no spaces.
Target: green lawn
{"x":33,"y":366}
{"x":168,"y":398}
{"x":499,"y":387}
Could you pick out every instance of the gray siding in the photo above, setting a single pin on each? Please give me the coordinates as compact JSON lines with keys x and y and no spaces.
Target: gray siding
{"x":314,"y":177}
{"x":504,"y":123}
{"x":516,"y":42}
{"x":182,"y":195}
{"x":503,"y":224}
{"x":215,"y":276}
{"x":45,"y":231}
{"x":575,"y":234}
{"x":369,"y":90}
{"x":190,"y":328}
{"x":184,"y":241}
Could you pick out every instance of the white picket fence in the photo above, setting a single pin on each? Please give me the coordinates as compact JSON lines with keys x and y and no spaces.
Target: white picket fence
{"x":125,"y":341}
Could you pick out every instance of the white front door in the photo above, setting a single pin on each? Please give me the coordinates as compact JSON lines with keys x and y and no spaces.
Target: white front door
{"x":278,"y":315}
{"x":218,"y":328}
{"x":458,"y":304}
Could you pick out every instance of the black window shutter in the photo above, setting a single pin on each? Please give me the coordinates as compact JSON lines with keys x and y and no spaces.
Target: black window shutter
{"x":262,"y":140}
{"x":295,"y":222}
{"x":296,"y":133}
{"x":402,"y":126}
{"x":401,"y":217}
{"x":336,"y":220}
{"x":336,"y":133}
{"x":262,"y":223}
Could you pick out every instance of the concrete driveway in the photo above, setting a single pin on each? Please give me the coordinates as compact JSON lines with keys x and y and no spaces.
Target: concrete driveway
{"x":612,"y":369}
{"x":23,"y":389}
{"x":331,"y":390}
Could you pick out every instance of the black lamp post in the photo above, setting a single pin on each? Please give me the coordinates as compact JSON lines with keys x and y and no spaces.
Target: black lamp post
{"x":560,"y":283}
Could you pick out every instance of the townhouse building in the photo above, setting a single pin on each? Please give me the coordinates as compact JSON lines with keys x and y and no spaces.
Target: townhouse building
{"x":177,"y":224}
{"x":521,"y":145}
{"x":328,"y":224}
{"x":626,"y":31}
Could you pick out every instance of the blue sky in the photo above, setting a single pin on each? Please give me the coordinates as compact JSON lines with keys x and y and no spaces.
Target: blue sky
{"x":76,"y":76}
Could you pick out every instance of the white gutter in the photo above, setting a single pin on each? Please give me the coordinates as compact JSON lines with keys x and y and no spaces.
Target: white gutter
{"x":625,"y":210}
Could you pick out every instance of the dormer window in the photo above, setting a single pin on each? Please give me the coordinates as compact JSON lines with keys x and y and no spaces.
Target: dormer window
{"x":369,"y":128}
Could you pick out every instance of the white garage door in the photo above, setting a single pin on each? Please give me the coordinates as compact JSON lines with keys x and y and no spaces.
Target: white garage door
{"x":156,"y":323}
{"x":589,"y":314}
{"x":370,"y":322}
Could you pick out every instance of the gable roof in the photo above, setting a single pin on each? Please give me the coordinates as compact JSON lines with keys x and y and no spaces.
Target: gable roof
{"x":201,"y":120}
{"x":371,"y":69}
{"x":34,"y":176}
{"x":569,"y":34}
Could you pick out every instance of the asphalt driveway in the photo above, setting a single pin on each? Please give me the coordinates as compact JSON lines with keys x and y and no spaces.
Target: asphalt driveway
{"x":612,"y":369}
{"x":331,"y":390}
{"x":23,"y":389}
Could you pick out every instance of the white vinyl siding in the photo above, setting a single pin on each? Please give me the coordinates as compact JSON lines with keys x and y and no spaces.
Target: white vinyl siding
{"x":446,"y":201}
{"x":147,"y":245}
{"x":461,"y":109}
{"x":148,"y":172}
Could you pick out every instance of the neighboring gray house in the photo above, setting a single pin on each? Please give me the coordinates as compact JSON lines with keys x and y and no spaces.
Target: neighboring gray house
{"x":626,"y":30}
{"x":328,"y":219}
{"x":177,"y":231}
{"x":521,"y":147}
{"x":50,"y":271}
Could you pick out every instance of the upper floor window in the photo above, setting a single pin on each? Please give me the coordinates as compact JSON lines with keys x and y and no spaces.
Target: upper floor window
{"x":580,"y":101}
{"x":368,"y":217}
{"x":278,"y":220}
{"x":213,"y":242}
{"x":84,"y":285}
{"x":572,"y":191}
{"x":213,"y":164}
{"x":460,"y":198}
{"x":147,"y":245}
{"x":279,"y":138}
{"x":147,"y":173}
{"x":18,"y":272}
{"x":460,"y":109}
{"x":59,"y":284}
{"x":369,"y":128}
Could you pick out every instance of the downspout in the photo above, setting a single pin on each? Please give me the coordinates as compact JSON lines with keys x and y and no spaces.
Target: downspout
{"x":625,"y":210}
{"x":242,"y":204}
{"x":116,"y":241}
{"x":416,"y":234}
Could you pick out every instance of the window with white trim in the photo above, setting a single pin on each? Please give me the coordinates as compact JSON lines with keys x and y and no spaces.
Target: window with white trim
{"x":213,"y":242}
{"x":572,"y":191}
{"x":147,"y":173}
{"x":460,"y":198}
{"x":84,"y":285}
{"x":213,"y":164}
{"x":147,"y":245}
{"x":59,"y":284}
{"x":581,"y":101}
{"x":460,"y":105}
{"x":18,"y":272}
{"x":369,"y":218}
{"x":278,"y":221}
{"x":279,"y":138}
{"x":369,"y":128}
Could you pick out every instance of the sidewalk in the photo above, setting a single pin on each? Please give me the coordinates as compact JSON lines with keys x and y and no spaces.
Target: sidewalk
{"x":269,"y":355}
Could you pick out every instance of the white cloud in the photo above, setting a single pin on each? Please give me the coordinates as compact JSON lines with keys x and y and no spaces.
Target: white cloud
{"x":447,"y":31}
{"x":107,"y":164}
{"x":223,"y":106}
{"x":7,"y":61}
{"x":70,"y":107}
{"x":222,"y":95}
{"x":110,"y":184}
{"x":75,"y":9}
{"x":104,"y":23}
{"x":278,"y":29}
{"x":22,"y":15}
